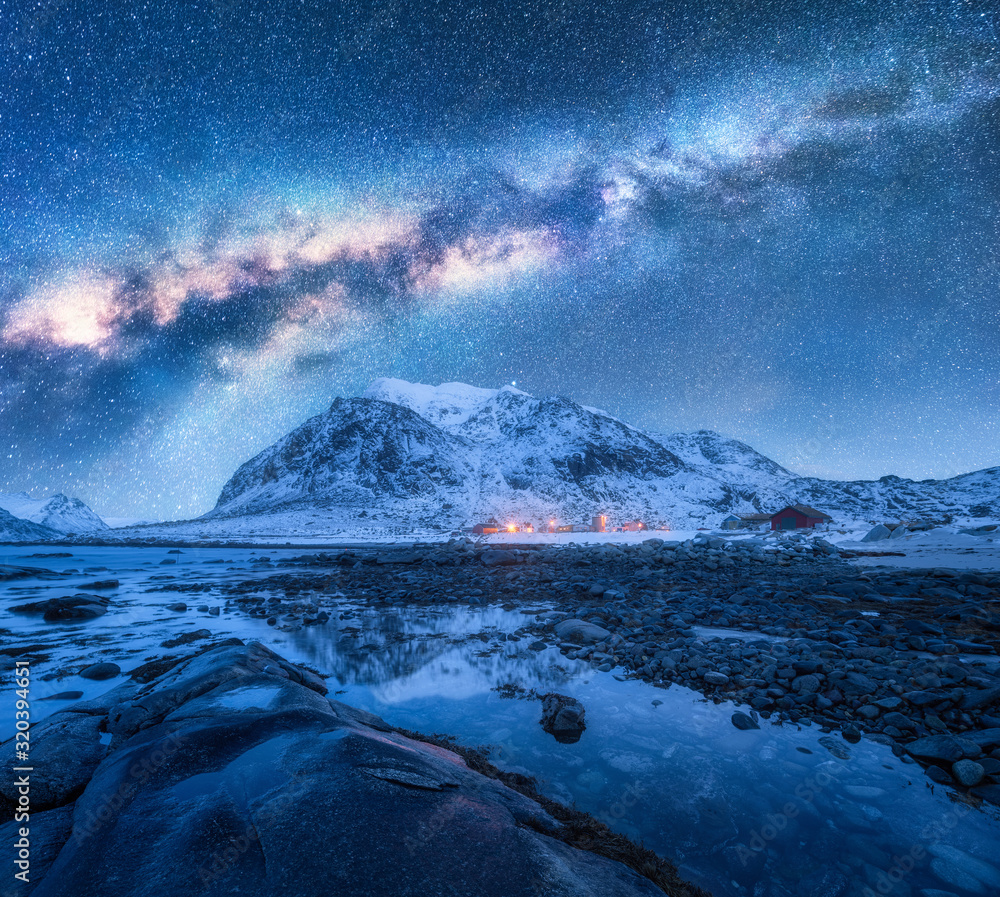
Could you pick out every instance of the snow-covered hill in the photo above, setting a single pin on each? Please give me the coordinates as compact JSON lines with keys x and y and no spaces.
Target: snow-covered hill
{"x":411,"y":454}
{"x":59,"y":512}
{"x":16,"y":529}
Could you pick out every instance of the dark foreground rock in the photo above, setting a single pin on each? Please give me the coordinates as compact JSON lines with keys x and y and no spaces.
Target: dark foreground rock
{"x":563,"y":717}
{"x":234,"y":773}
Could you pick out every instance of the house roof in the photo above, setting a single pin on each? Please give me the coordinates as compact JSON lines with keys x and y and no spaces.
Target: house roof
{"x":756,"y":517}
{"x":805,"y":509}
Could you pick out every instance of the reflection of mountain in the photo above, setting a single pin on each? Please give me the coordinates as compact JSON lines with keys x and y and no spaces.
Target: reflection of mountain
{"x":403,"y":659}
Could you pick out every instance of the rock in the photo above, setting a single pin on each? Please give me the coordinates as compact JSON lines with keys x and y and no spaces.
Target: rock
{"x":67,"y":746}
{"x":890,"y":703}
{"x":807,"y":684}
{"x":743,"y":721}
{"x":494,"y":558}
{"x":823,"y":883}
{"x":835,"y":747}
{"x":967,"y":772}
{"x":101,"y":671}
{"x":988,"y":793}
{"x":974,"y":700}
{"x":68,"y":607}
{"x":82,"y":611}
{"x":580,"y":632}
{"x":987,"y":739}
{"x":941,"y":747}
{"x":63,"y":696}
{"x":939,"y":775}
{"x":923,"y":698}
{"x":48,"y":832}
{"x":101,"y":584}
{"x":858,"y":684}
{"x":985,"y":876}
{"x":898,"y":532}
{"x":245,"y":781}
{"x":186,"y":638}
{"x":178,"y":606}
{"x":563,"y":717}
{"x":877,"y":534}
{"x":713,"y":677}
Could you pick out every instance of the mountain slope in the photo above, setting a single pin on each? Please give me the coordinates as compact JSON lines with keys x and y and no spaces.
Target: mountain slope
{"x":16,"y":529}
{"x":361,"y":453}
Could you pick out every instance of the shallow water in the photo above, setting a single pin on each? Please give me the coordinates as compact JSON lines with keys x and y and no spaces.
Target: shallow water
{"x":766,"y":812}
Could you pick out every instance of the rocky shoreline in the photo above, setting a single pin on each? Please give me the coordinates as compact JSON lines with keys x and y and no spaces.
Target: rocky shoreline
{"x":907,"y":658}
{"x":231,"y":771}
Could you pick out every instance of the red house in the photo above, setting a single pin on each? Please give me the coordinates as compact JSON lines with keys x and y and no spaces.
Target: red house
{"x":798,"y":517}
{"x":486,"y":529}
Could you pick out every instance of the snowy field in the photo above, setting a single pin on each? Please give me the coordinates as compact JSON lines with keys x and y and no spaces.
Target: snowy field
{"x":943,"y":546}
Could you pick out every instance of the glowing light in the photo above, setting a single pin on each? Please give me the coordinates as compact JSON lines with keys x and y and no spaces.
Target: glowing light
{"x":80,"y":311}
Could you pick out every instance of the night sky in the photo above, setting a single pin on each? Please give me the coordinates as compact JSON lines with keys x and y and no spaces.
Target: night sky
{"x":777,"y":220}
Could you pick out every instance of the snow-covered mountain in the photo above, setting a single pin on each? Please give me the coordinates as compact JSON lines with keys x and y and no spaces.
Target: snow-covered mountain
{"x":408,"y":453}
{"x":15,"y":529}
{"x":59,"y":512}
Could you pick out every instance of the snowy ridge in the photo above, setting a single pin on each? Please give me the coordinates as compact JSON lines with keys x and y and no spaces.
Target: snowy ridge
{"x":59,"y":512}
{"x":447,"y":405}
{"x":407,"y":455}
{"x":16,"y":529}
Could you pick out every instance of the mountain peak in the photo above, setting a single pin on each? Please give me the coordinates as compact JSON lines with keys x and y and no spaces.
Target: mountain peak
{"x":447,"y":405}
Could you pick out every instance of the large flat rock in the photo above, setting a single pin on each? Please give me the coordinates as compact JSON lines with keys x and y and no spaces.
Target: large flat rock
{"x":233,"y":773}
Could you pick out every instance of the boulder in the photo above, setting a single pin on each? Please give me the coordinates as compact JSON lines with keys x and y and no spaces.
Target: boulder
{"x":68,"y":607}
{"x":987,"y":739}
{"x":967,"y":772}
{"x":498,"y":558}
{"x":877,"y":533}
{"x":101,"y":671}
{"x":744,"y":721}
{"x":230,"y":774}
{"x":581,"y":632}
{"x":563,"y":717}
{"x":942,"y":747}
{"x":66,"y":748}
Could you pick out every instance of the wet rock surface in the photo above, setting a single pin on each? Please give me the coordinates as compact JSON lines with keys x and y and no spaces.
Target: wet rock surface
{"x":563,"y":717}
{"x":234,"y":772}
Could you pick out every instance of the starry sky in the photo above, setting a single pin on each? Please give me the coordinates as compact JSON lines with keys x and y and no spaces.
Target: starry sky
{"x":778,"y":220}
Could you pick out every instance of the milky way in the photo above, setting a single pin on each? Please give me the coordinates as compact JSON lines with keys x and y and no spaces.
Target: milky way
{"x":780,"y":221}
